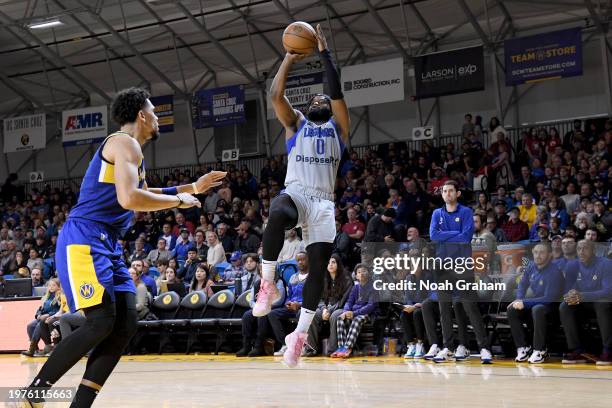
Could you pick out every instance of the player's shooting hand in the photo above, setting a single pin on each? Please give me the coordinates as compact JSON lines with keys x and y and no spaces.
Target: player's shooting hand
{"x":294,"y":57}
{"x":210,"y":180}
{"x":409,"y":308}
{"x":321,"y":38}
{"x":188,"y":201}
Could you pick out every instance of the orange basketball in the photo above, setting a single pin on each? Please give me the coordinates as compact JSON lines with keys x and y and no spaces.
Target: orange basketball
{"x":299,"y":38}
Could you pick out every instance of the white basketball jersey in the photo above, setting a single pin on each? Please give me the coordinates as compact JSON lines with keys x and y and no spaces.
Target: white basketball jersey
{"x":314,"y":154}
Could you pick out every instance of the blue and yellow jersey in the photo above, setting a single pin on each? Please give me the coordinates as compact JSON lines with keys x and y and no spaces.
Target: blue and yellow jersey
{"x":98,"y":196}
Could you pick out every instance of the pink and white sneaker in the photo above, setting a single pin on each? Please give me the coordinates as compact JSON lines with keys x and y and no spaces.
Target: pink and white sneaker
{"x":295,"y":343}
{"x":267,"y":295}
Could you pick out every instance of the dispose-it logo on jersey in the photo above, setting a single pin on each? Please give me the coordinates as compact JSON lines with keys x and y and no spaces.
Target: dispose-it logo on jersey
{"x":84,"y":126}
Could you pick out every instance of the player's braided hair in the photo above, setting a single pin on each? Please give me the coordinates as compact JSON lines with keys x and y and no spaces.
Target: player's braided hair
{"x":127,"y":104}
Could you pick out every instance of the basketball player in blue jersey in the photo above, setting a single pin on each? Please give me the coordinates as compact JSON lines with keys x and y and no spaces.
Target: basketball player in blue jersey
{"x":93,"y":275}
{"x":315,"y":143}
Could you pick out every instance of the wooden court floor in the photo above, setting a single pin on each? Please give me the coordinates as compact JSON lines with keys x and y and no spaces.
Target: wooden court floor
{"x":171,"y":381}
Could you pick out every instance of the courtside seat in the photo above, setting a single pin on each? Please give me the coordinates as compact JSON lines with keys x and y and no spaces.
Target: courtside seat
{"x":192,"y":305}
{"x":218,"y":307}
{"x":165,"y":307}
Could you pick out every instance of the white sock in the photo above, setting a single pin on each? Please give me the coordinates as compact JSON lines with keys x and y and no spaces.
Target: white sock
{"x":306,"y":317}
{"x":268,"y":270}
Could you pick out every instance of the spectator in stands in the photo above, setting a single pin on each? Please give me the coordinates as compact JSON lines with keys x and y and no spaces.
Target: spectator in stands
{"x":200,"y":245}
{"x":202,"y":281}
{"x":159,"y":253}
{"x":546,"y":283}
{"x":142,"y":294}
{"x":541,"y":219}
{"x":226,"y":240}
{"x":187,"y":271}
{"x":414,"y":240}
{"x":183,"y":244}
{"x":215,"y":254}
{"x":182,"y":224}
{"x":590,"y":294}
{"x":37,"y":278}
{"x":483,"y":206}
{"x":35,"y":261}
{"x":292,"y":245}
{"x":338,"y":285}
{"x":247,"y":279}
{"x":602,"y":220}
{"x":293,"y":302}
{"x":342,"y":244}
{"x":514,"y":228}
{"x":139,"y":251}
{"x":527,"y":209}
{"x":256,"y":329}
{"x":526,"y":180}
{"x":468,"y":127}
{"x":210,"y":202}
{"x":380,"y":228}
{"x":37,"y":328}
{"x":360,"y":305}
{"x":142,"y":267}
{"x":555,"y":209}
{"x":246,"y":241}
{"x":162,"y":267}
{"x":168,"y":236}
{"x":235,"y":270}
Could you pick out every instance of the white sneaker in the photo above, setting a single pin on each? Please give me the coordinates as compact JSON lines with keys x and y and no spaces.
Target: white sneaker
{"x":522,"y":354}
{"x":445,"y":355}
{"x":419,"y":351}
{"x":537,"y":357}
{"x":433,"y":351}
{"x":280,"y":352}
{"x":485,"y":356}
{"x":411,"y":350}
{"x":461,"y":353}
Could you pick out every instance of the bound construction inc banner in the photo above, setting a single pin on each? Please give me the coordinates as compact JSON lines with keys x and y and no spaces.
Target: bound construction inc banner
{"x":373,"y":83}
{"x":218,"y":107}
{"x":84,"y":126}
{"x":25,"y":133}
{"x":164,"y":109}
{"x":544,"y":56}
{"x":449,"y":72}
{"x":299,"y":89}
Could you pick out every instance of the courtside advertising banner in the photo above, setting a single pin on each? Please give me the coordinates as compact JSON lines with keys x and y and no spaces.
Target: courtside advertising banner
{"x":85,"y":125}
{"x":25,"y":133}
{"x":544,"y":56}
{"x":218,"y":107}
{"x":373,"y":83}
{"x":299,"y":89}
{"x":164,"y":109}
{"x":449,"y":72}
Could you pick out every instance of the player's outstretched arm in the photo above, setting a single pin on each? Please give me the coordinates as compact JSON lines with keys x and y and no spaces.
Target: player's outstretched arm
{"x":285,"y":113}
{"x":202,"y":185}
{"x":338,"y":105}
{"x":126,"y":154}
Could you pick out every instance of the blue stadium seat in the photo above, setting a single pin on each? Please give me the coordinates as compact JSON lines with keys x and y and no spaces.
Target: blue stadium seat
{"x":286,"y":269}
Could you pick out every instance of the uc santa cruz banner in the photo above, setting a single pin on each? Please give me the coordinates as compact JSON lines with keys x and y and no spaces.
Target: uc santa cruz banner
{"x":164,"y":109}
{"x":25,"y":133}
{"x":544,"y":56}
{"x":298,"y":90}
{"x":449,"y":72}
{"x":218,"y":107}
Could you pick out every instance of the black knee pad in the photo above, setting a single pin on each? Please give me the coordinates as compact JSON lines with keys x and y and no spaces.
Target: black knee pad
{"x":283,"y":216}
{"x":126,"y":323}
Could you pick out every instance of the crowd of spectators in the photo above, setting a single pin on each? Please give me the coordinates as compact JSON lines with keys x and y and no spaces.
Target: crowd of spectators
{"x":539,"y":187}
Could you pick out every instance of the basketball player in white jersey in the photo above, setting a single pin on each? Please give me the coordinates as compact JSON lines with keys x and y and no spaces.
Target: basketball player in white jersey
{"x":315,"y":143}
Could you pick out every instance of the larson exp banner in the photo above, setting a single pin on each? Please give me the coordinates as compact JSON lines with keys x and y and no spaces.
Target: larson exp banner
{"x":544,"y":56}
{"x":449,"y":72}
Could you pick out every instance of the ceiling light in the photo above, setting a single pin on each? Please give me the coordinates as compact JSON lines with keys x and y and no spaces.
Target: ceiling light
{"x":46,"y":23}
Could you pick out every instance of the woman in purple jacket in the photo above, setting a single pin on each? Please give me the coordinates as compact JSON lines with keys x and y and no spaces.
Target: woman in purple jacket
{"x":357,"y":310}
